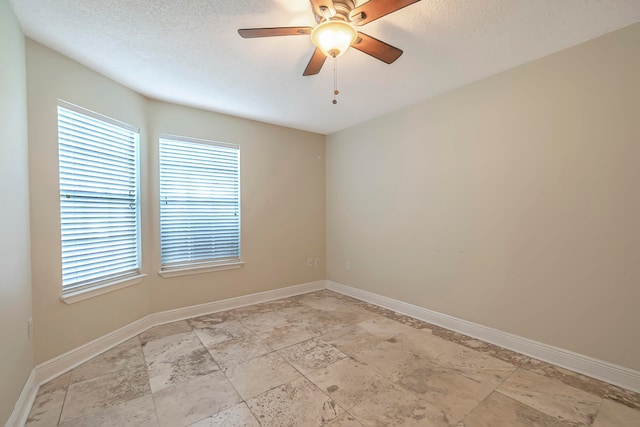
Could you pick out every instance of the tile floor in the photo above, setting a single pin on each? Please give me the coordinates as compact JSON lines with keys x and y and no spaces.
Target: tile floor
{"x":322,"y":359}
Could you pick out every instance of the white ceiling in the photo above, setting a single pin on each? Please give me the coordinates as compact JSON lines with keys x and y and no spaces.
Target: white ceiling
{"x":189,"y":52}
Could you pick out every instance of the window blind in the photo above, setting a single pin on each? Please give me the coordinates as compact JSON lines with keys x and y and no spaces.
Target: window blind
{"x":199,"y":203}
{"x":98,"y":199}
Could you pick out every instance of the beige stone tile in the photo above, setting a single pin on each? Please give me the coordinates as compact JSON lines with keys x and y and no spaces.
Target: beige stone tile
{"x":443,"y":378}
{"x":446,"y":389}
{"x":176,"y":358}
{"x":582,"y":382}
{"x":47,"y":406}
{"x":166,"y":330}
{"x":498,"y":410}
{"x":323,"y":300}
{"x":249,"y":310}
{"x":209,"y":320}
{"x":493,"y":350}
{"x":347,"y":310}
{"x":613,"y":414}
{"x":262,"y":322}
{"x":236,"y":416}
{"x":384,"y":328}
{"x":260,"y":374}
{"x":58,"y":383}
{"x":193,"y":400}
{"x":475,"y":365}
{"x":313,"y":294}
{"x":86,"y":397}
{"x":620,"y":395}
{"x":351,"y":314}
{"x":216,"y":334}
{"x":44,"y":418}
{"x":344,"y":420}
{"x":123,"y":356}
{"x":298,"y":403}
{"x":338,"y":298}
{"x":238,"y":350}
{"x":310,"y":355}
{"x":389,"y":360}
{"x":286,"y":335}
{"x":412,"y":322}
{"x":161,"y":345}
{"x":424,"y":344}
{"x":350,"y":300}
{"x":395,"y":406}
{"x":139,"y":412}
{"x":351,"y":339}
{"x":348,"y":382}
{"x":317,"y":321}
{"x":551,"y":396}
{"x":278,"y":304}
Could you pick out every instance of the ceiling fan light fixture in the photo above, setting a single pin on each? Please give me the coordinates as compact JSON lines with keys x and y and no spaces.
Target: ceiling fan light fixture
{"x":333,"y":38}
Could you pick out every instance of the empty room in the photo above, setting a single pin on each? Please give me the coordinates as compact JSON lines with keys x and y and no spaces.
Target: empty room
{"x":320,"y":213}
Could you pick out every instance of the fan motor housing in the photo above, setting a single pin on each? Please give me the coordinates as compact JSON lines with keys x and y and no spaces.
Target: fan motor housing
{"x":342,"y":7}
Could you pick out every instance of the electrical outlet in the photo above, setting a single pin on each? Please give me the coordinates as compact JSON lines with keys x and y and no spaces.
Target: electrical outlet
{"x":317,"y":262}
{"x":309,"y":262}
{"x":30,"y":328}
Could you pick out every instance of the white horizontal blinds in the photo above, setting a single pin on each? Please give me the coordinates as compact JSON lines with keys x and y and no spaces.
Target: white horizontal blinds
{"x":199,"y":203}
{"x":98,"y":199}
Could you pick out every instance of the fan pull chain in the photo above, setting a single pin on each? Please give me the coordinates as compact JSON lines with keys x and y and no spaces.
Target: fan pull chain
{"x":335,"y":80}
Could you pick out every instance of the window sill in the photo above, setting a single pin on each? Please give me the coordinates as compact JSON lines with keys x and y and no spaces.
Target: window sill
{"x":203,"y":269}
{"x":78,"y":296}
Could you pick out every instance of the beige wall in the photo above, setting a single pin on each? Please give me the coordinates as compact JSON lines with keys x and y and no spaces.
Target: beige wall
{"x":16,"y":350}
{"x":60,"y":327}
{"x":283,"y":206}
{"x":282,"y":186}
{"x":512,"y":202}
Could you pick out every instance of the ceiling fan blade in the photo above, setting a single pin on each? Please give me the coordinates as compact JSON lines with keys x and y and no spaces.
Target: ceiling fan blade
{"x":318,"y":6}
{"x":376,"y":48}
{"x":374,"y":9}
{"x":250,"y":33}
{"x":315,"y":63}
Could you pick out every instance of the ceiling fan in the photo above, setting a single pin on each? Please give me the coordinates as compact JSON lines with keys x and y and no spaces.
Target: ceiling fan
{"x":335,"y":31}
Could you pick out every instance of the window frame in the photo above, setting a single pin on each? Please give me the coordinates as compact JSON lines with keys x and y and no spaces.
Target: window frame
{"x":206,"y":265}
{"x":109,"y":282}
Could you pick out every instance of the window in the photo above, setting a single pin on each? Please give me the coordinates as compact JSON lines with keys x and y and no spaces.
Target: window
{"x":98,"y":201}
{"x":199,"y":206}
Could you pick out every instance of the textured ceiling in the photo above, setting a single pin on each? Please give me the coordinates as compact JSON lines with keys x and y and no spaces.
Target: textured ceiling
{"x":189,"y":51}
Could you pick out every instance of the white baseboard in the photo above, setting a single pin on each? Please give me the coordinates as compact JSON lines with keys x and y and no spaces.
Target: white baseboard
{"x":25,"y":401}
{"x":598,"y":369}
{"x":65,"y":362}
